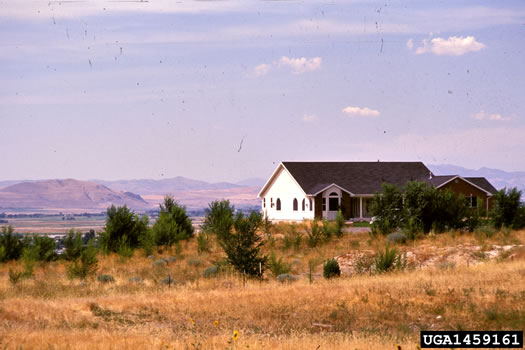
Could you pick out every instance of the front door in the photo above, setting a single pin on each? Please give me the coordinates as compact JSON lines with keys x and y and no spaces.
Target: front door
{"x":333,"y":206}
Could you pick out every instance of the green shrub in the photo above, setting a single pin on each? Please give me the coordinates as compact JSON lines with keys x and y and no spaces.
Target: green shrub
{"x":219,"y":219}
{"x":15,"y":276}
{"x":519,"y":220}
{"x":86,"y":264}
{"x":389,"y":260}
{"x":292,"y":239}
{"x":339,"y":223}
{"x":278,"y":266}
{"x":136,"y":279}
{"x":203,"y":242}
{"x":396,"y":237}
{"x":105,"y":278}
{"x":331,"y":269}
{"x":286,"y":278}
{"x":387,"y":208}
{"x":124,"y":249}
{"x":11,"y":244}
{"x":147,"y":242}
{"x":172,"y":225}
{"x":507,"y":206}
{"x":194,"y":262}
{"x":485,"y":231}
{"x":314,"y":234}
{"x":328,"y":230}
{"x":122,"y":222}
{"x":242,"y":247}
{"x":211,"y":271}
{"x":73,"y":245}
{"x":42,"y":248}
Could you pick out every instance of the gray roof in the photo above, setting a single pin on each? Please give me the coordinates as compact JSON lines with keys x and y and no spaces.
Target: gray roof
{"x":439,"y":180}
{"x":483,"y":183}
{"x":355,"y":177}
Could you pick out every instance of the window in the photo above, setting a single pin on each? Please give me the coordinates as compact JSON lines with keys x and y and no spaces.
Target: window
{"x":333,"y":202}
{"x":264,"y":202}
{"x":295,"y":204}
{"x":271,"y":202}
{"x":304,"y":203}
{"x":278,"y":204}
{"x":310,"y":204}
{"x":472,"y":201}
{"x":324,"y":204}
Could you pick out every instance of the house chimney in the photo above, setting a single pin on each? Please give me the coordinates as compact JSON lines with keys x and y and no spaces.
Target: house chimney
{"x":430,"y":175}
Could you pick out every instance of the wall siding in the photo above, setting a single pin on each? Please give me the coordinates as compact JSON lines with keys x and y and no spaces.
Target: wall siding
{"x":459,"y":186}
{"x":286,"y":188}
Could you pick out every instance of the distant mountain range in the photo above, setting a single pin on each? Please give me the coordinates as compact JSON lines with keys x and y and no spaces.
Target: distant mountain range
{"x":176,"y":184}
{"x":141,"y":194}
{"x":66,"y":194}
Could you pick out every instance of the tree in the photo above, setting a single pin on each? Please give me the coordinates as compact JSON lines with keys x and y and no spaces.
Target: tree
{"x":507,"y":206}
{"x":123,"y":228}
{"x":427,"y":207}
{"x":86,"y":264}
{"x":11,"y":244}
{"x":387,"y":207}
{"x":73,"y":245}
{"x":242,"y":247}
{"x":219,"y":218}
{"x":172,"y":225}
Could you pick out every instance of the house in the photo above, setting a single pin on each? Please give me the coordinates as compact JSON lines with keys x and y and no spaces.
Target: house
{"x":299,"y":191}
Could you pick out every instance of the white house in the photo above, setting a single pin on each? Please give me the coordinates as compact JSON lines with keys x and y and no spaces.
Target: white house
{"x":299,"y":191}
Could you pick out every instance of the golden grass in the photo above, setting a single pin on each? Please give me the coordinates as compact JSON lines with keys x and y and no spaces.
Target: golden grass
{"x":363,"y":312}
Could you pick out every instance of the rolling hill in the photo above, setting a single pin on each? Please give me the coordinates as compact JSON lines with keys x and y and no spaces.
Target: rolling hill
{"x":66,"y":194}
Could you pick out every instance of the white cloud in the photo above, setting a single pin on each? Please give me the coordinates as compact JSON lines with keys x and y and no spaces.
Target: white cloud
{"x":363,"y":112}
{"x":410,"y":44}
{"x":262,"y":69}
{"x":482,"y":115}
{"x":301,"y":65}
{"x":309,"y":118}
{"x":454,"y":46}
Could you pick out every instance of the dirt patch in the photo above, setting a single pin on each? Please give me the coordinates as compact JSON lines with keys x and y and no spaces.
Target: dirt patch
{"x":428,"y":257}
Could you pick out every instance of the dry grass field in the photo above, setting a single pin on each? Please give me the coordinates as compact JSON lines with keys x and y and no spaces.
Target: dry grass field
{"x":379,"y":311}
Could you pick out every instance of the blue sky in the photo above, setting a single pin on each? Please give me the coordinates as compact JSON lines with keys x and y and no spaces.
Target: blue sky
{"x":120,"y":90}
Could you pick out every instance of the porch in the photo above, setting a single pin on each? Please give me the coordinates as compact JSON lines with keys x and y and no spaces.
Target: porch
{"x":353,"y":207}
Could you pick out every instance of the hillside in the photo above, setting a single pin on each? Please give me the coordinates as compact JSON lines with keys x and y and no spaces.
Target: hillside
{"x":176,"y":184}
{"x":66,"y":194}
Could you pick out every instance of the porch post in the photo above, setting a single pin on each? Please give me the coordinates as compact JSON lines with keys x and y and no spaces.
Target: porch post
{"x":360,"y":207}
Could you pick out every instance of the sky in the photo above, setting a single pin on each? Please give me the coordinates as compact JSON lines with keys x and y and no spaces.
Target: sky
{"x":226,"y":90}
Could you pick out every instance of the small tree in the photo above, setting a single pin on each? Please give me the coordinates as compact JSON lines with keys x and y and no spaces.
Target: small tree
{"x":172,"y":225}
{"x":42,"y":248}
{"x":122,"y":225}
{"x":331,"y":269}
{"x":387,"y":207}
{"x":506,"y":207}
{"x":219,"y":218}
{"x":73,"y":245}
{"x":339,"y":223}
{"x":11,"y":244}
{"x":242,"y":247}
{"x":86,"y":264}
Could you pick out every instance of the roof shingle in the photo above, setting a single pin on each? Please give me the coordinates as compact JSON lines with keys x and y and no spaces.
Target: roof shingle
{"x":356,"y":177}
